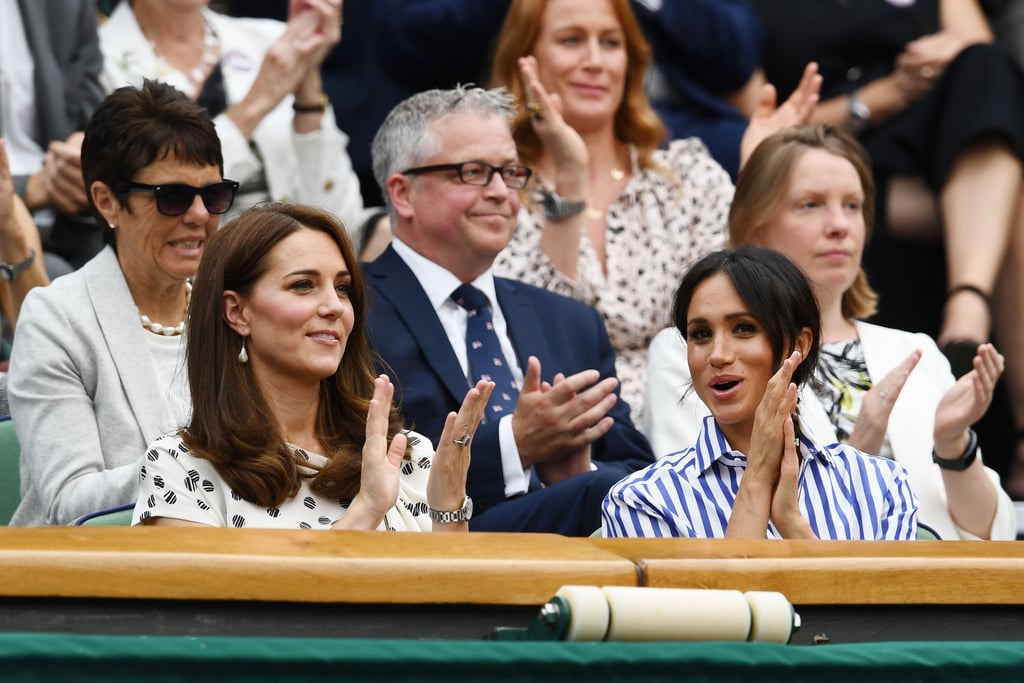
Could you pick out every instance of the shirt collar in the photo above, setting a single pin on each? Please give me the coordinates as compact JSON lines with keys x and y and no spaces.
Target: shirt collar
{"x":712,"y":446}
{"x":437,"y":281}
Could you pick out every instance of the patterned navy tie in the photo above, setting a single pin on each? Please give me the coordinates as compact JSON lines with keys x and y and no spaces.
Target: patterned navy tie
{"x":486,"y":361}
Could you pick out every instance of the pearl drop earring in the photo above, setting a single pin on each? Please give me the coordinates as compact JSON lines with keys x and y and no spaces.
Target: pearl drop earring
{"x":243,"y":356}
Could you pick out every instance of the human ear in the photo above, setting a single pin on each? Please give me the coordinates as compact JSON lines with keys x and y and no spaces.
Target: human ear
{"x":106,"y":202}
{"x":235,"y":313}
{"x":400,"y":191}
{"x":802,"y":343}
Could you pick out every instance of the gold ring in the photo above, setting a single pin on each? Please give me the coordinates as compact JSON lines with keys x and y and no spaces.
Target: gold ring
{"x":534,"y":110}
{"x":927,"y":71}
{"x":464,"y":441}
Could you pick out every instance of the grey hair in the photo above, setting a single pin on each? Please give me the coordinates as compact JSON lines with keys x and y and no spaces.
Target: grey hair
{"x":406,"y":138}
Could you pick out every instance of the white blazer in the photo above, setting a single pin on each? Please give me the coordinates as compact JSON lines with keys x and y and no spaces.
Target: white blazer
{"x":674,"y":413}
{"x":307,"y":168}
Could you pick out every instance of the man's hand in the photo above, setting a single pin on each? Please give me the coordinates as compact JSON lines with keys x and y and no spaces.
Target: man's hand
{"x":553,"y":422}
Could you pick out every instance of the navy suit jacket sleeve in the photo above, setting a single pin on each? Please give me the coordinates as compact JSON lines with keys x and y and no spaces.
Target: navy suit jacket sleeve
{"x":565,"y":335}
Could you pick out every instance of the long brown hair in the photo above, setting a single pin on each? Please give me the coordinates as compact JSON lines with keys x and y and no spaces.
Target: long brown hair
{"x":635,"y":120}
{"x":764,"y":180}
{"x":232,"y":425}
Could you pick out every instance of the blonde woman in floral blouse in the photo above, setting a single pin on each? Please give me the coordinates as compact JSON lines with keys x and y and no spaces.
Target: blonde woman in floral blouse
{"x":616,"y":220}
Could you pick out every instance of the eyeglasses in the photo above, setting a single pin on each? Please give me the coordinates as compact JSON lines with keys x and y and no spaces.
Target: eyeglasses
{"x":515,"y":176}
{"x":174,"y":199}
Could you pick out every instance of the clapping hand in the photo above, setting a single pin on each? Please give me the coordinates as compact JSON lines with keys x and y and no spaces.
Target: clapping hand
{"x":967,"y":401}
{"x":446,"y":486}
{"x":876,"y":406}
{"x":796,"y":110}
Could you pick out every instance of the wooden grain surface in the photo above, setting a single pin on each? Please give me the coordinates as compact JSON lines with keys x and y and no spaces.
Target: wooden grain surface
{"x":300,"y":566}
{"x":487,"y":569}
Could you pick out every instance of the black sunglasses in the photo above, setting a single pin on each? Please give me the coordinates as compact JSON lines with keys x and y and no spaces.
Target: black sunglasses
{"x":174,"y":199}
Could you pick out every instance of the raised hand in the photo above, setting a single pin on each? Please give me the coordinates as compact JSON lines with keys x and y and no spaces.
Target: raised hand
{"x":785,"y":511}
{"x":876,"y":406}
{"x":570,"y":464}
{"x":796,"y":110}
{"x":550,"y":423}
{"x":558,"y":137}
{"x":381,"y":466}
{"x":59,"y":183}
{"x":446,"y":486}
{"x":967,"y":401}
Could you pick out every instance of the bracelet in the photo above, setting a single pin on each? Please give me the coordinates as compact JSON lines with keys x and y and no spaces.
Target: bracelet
{"x":319,"y":108}
{"x":966,"y":458}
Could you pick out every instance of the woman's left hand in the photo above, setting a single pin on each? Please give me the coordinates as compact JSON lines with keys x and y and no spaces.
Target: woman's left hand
{"x":967,"y":401}
{"x":785,"y":511}
{"x":446,"y":485}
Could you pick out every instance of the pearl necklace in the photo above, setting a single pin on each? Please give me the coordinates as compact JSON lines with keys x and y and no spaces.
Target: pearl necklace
{"x":157,"y":328}
{"x":211,"y":54}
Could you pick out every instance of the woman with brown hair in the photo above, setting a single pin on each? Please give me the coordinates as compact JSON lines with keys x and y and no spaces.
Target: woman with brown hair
{"x":617,"y":218}
{"x":290,"y":428}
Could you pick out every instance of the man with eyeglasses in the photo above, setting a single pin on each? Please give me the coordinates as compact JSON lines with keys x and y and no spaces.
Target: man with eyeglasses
{"x":556,"y":435}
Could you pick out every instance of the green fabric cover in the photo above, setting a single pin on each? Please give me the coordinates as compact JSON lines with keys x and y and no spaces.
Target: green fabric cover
{"x":155,"y":659}
{"x":10,"y":475}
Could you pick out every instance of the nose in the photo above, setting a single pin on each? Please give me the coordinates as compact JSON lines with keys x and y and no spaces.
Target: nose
{"x":721,"y":351}
{"x":838,"y":221}
{"x":592,"y":55}
{"x":197,"y":212}
{"x":331,"y":305}
{"x":496,"y":186}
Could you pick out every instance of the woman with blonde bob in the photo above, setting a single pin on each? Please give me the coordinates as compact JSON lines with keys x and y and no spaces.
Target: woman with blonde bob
{"x":617,"y":217}
{"x":882,"y":390}
{"x":290,"y":427}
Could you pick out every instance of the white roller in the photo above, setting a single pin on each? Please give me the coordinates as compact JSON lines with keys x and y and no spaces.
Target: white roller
{"x":772,"y":617}
{"x":588,"y":612}
{"x":646,"y":614}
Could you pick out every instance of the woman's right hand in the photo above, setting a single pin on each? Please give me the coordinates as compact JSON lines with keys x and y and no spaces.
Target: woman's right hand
{"x":559,"y":138}
{"x":876,"y":406}
{"x":381,"y":464}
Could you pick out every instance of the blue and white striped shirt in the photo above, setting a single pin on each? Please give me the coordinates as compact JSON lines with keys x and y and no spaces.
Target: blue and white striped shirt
{"x":844,"y":494}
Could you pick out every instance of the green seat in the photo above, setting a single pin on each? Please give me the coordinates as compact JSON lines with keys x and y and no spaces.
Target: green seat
{"x":10,"y":475}
{"x":117,"y":516}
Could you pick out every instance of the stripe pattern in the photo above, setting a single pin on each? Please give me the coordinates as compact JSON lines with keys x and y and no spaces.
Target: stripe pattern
{"x":844,"y":494}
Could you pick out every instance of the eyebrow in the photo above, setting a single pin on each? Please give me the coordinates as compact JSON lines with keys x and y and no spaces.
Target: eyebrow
{"x":314,"y":271}
{"x":728,"y":316}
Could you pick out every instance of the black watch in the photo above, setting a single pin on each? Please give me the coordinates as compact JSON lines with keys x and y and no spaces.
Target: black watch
{"x":556,"y":207}
{"x":965,"y":460}
{"x":9,"y":272}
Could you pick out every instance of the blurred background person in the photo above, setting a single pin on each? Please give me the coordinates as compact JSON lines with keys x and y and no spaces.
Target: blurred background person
{"x":260,"y":80}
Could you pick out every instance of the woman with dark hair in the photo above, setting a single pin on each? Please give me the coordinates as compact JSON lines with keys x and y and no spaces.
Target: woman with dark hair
{"x":617,"y":218}
{"x":94,"y":372}
{"x":808,"y":193}
{"x":289,"y":427}
{"x":753,"y":330}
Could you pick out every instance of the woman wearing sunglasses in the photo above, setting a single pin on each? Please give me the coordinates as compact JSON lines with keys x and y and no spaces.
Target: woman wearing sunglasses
{"x":96,"y":372}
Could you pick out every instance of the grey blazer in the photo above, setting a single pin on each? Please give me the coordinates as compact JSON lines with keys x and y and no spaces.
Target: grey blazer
{"x":85,"y":395}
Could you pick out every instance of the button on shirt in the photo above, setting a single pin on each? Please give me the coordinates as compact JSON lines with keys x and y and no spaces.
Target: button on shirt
{"x":844,"y":494}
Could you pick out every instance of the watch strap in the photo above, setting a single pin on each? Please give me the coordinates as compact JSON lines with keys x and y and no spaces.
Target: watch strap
{"x":965,"y":460}
{"x":463,"y":514}
{"x":556,"y":207}
{"x":8,"y":272}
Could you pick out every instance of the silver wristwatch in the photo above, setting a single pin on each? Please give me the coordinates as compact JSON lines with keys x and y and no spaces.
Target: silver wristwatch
{"x":8,"y":272}
{"x":463,"y":514}
{"x":556,"y":207}
{"x":858,"y":113}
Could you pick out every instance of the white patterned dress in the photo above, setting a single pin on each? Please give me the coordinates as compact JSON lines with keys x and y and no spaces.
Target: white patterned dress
{"x":657,"y":227}
{"x":174,"y":483}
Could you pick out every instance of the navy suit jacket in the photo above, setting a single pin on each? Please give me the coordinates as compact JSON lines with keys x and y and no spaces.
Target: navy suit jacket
{"x":565,"y":335}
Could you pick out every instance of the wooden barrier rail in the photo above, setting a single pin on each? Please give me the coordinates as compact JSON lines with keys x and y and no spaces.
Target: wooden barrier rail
{"x":368,"y":584}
